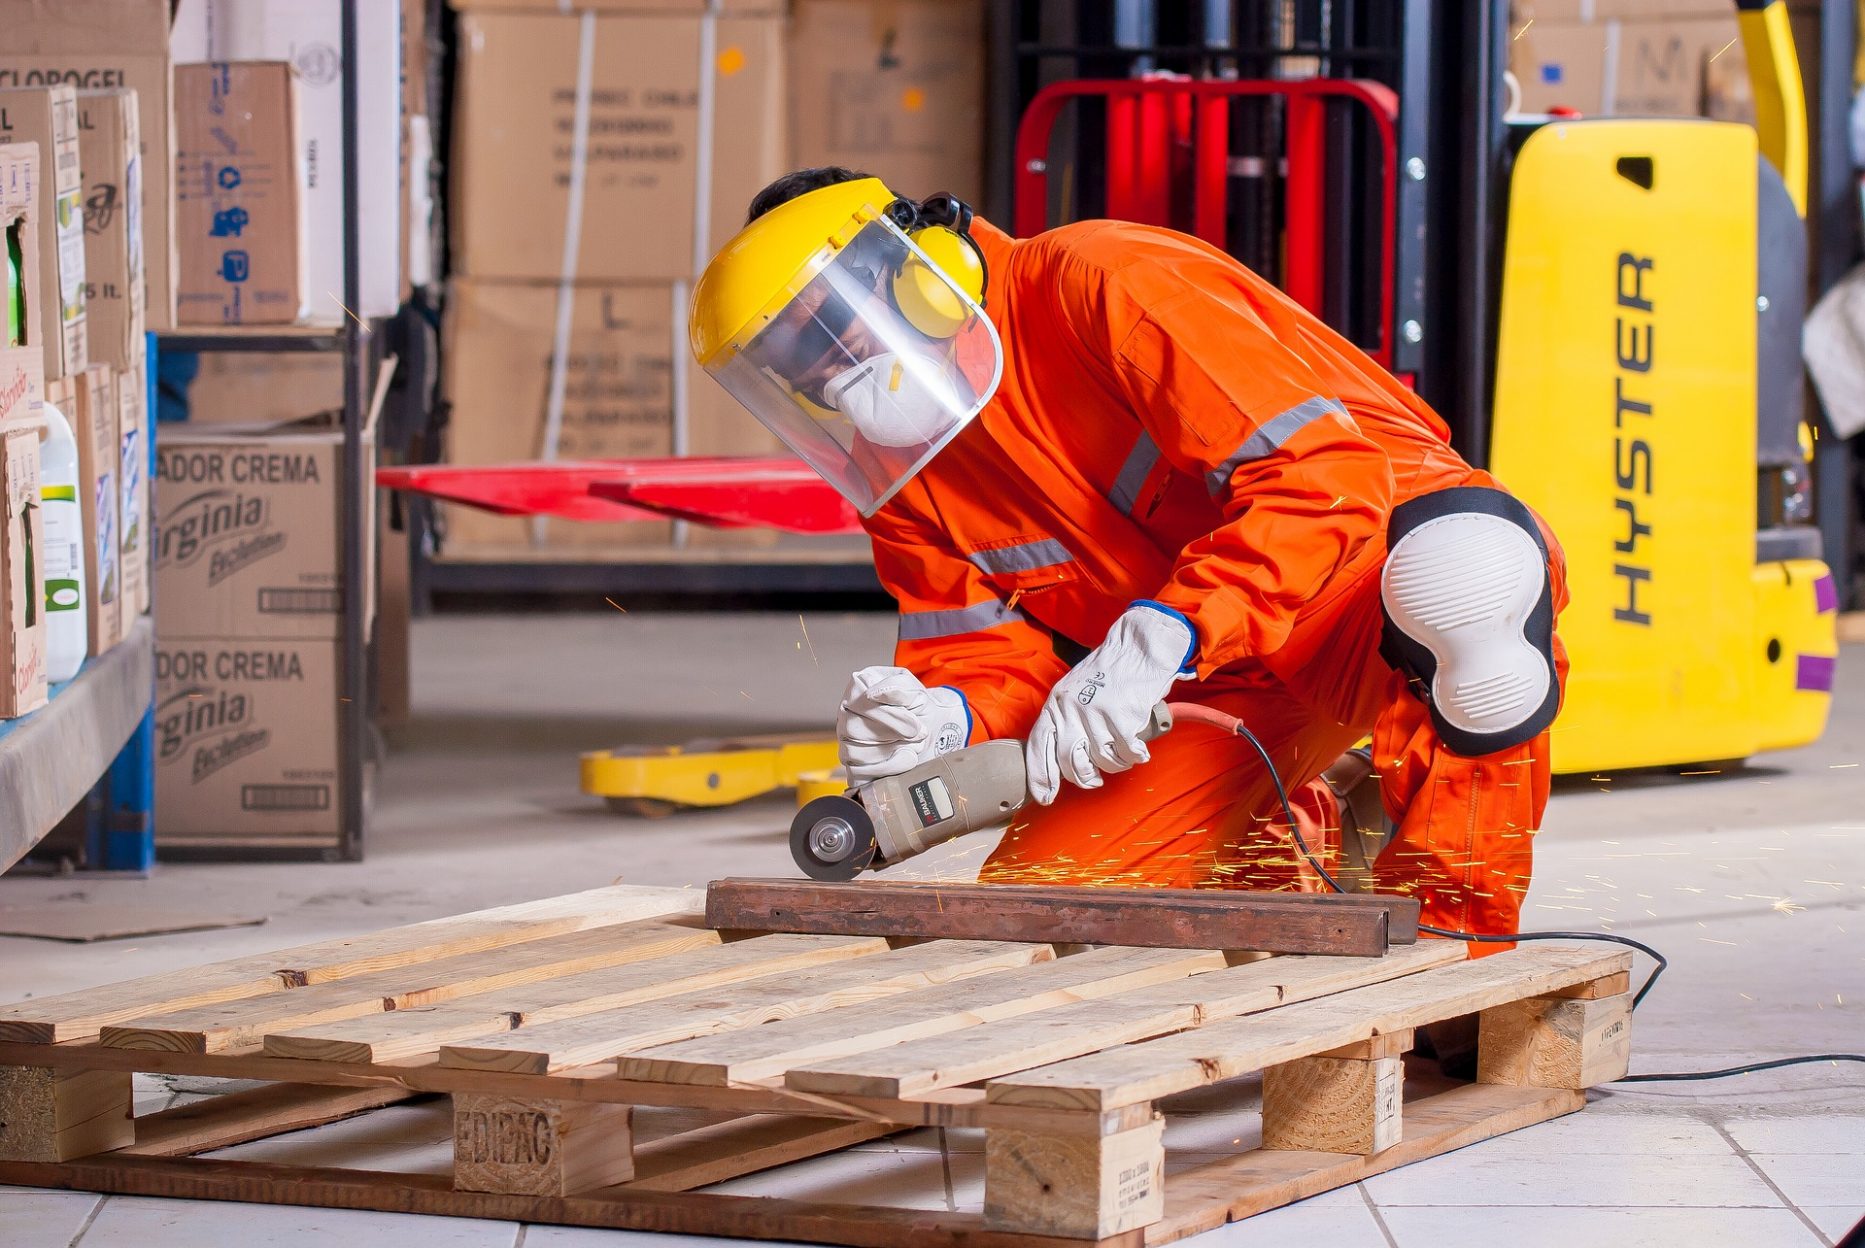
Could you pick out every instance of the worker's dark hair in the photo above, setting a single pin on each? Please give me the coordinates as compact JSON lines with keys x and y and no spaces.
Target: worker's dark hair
{"x":802,"y":182}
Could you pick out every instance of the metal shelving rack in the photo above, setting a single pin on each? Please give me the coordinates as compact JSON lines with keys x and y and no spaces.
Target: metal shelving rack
{"x":356,"y":342}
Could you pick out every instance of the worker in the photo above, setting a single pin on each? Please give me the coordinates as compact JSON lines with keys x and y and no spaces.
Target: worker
{"x":1110,"y":466}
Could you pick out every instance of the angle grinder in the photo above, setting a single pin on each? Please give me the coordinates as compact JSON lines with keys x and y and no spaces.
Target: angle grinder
{"x":896,"y":817}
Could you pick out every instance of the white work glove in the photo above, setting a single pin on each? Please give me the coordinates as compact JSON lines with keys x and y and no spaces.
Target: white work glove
{"x":1094,"y":716}
{"x":891,"y":723}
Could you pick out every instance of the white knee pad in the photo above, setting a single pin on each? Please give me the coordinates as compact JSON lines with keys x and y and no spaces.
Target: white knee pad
{"x":1469,"y":616}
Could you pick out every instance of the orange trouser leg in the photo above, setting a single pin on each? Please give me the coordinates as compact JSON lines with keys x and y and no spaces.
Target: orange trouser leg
{"x":1201,"y":814}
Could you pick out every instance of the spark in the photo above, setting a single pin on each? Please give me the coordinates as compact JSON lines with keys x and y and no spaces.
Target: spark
{"x":1524,"y":30}
{"x":1724,"y":49}
{"x":811,"y":644}
{"x":1841,"y":766}
{"x":346,"y":311}
{"x":618,"y":606}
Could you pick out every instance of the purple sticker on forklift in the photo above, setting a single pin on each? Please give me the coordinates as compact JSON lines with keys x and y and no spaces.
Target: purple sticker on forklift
{"x":1815,"y":674}
{"x":1825,"y":597}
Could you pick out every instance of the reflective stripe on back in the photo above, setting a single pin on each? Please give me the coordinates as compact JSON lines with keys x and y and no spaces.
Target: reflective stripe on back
{"x":1270,"y":435}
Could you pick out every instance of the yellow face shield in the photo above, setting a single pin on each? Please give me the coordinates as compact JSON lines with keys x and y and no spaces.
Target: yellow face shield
{"x":867,"y":362}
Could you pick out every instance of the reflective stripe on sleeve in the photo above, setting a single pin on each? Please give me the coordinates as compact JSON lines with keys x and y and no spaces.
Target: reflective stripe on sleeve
{"x":1270,"y":435}
{"x":1023,"y":557}
{"x":926,"y":625}
{"x":1125,"y":491}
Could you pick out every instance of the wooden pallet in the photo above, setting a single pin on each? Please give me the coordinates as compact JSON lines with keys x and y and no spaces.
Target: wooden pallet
{"x":548,"y":1023}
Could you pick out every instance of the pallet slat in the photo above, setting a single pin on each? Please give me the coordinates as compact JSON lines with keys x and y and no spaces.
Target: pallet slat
{"x":399,"y":1036}
{"x":1356,"y":925}
{"x":599,"y":1037}
{"x":999,"y":1048}
{"x":234,"y":1025}
{"x":79,"y":1015}
{"x":1150,"y":1070}
{"x":252,"y":1114}
{"x":767,"y":1052}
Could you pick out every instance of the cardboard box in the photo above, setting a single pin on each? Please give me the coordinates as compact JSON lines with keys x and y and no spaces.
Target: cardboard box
{"x":133,"y":474}
{"x":894,"y":89}
{"x":640,"y":213}
{"x":95,"y":44}
{"x":239,"y":195}
{"x":22,"y":366}
{"x":22,"y":592}
{"x":110,"y":157}
{"x":89,"y":402}
{"x":48,"y":116}
{"x":245,"y":738}
{"x":309,"y":35}
{"x":247,"y":533}
{"x":1626,"y":68}
{"x":244,"y":388}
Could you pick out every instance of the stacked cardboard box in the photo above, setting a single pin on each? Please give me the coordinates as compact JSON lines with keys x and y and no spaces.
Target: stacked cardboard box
{"x":100,"y":44}
{"x":249,"y":610}
{"x":605,"y":149}
{"x":1631,"y":58}
{"x":307,"y":34}
{"x":110,"y":160}
{"x":48,"y":118}
{"x":22,"y":394}
{"x":239,"y":205}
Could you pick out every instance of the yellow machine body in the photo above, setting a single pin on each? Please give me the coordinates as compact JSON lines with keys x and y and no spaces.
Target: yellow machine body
{"x":660,"y":781}
{"x":1625,"y":414}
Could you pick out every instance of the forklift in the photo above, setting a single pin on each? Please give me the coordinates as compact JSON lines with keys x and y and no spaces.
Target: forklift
{"x":1606,"y":310}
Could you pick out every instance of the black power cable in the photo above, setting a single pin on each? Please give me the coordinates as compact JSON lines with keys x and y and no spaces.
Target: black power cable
{"x":1301,"y":843}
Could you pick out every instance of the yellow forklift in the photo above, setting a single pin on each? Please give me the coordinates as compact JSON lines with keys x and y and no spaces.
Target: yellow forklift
{"x":1649,"y":403}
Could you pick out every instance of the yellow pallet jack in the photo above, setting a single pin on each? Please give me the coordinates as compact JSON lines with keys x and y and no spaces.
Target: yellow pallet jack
{"x":1649,"y":403}
{"x":652,"y":782}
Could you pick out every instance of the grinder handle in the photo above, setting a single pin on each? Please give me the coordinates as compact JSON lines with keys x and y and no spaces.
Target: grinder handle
{"x":1159,"y":724}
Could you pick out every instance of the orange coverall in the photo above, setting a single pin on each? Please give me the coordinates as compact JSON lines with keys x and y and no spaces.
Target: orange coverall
{"x":1171,"y":426}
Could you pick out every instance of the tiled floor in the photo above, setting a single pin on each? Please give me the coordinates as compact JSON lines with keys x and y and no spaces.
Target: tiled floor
{"x":1750,"y":881}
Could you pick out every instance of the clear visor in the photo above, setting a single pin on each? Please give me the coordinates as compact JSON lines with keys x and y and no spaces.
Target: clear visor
{"x":867,"y":363}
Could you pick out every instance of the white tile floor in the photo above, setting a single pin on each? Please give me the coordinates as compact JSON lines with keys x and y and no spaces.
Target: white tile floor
{"x":1750,"y":881}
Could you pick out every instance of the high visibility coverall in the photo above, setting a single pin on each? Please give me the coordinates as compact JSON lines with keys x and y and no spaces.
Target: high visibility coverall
{"x":1170,"y":426}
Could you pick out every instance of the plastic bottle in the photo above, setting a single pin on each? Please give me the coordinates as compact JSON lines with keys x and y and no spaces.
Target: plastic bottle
{"x":66,"y":626}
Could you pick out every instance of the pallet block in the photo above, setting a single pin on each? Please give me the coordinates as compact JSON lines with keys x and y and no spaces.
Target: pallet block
{"x":550,"y":1036}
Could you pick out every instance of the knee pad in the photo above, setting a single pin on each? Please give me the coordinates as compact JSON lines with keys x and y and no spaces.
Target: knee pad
{"x":1470,"y":616}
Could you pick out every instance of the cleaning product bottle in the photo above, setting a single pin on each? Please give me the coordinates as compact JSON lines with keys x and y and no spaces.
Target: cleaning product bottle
{"x":66,"y":627}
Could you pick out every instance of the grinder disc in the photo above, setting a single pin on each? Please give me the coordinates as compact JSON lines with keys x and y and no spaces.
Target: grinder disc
{"x":832,"y":838}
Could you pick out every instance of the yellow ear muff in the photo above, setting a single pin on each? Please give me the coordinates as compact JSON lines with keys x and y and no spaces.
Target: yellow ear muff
{"x":925,"y":298}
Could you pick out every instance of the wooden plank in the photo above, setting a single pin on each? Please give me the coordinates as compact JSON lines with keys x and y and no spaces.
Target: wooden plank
{"x":766,"y":1052}
{"x":401,"y":1035}
{"x":948,"y":1107}
{"x":999,"y":1048}
{"x":622,"y":1208}
{"x":1237,"y":1187}
{"x":539,"y":1148}
{"x":55,"y":1115}
{"x":599,"y":1037}
{"x":1360,"y":925}
{"x":1333,"y":1104}
{"x":1150,"y":1070}
{"x":79,"y":1015}
{"x":1555,"y":1043}
{"x":234,"y":1025}
{"x":727,"y":1150}
{"x":252,"y":1114}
